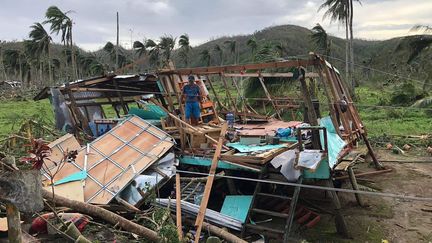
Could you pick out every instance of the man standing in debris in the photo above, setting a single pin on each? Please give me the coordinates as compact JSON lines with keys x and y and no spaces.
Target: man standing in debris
{"x":191,"y":97}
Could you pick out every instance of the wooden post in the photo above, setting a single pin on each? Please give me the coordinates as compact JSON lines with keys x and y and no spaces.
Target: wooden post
{"x":244,"y":107}
{"x":178,"y":208}
{"x":261,"y":79}
{"x":311,"y":111}
{"x":185,"y":123}
{"x":215,"y":94}
{"x":209,"y":183}
{"x":77,"y":111}
{"x":330,"y":101}
{"x":14,"y":223}
{"x":341,"y":226}
{"x":125,"y":110}
{"x":228,"y":93}
{"x":117,"y":43}
{"x":354,"y":185}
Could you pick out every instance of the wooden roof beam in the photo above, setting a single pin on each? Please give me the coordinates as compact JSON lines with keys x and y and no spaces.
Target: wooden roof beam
{"x":238,"y":68}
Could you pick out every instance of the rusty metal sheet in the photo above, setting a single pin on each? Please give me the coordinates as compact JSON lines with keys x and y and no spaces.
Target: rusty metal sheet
{"x":117,"y":157}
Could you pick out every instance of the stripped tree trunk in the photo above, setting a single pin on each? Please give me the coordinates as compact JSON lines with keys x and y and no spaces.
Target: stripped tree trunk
{"x":49,"y":66}
{"x":104,"y":214}
{"x":351,"y":11}
{"x":347,"y":48}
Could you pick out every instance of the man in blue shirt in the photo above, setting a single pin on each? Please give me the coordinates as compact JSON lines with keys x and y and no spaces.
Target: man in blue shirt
{"x":191,"y":97}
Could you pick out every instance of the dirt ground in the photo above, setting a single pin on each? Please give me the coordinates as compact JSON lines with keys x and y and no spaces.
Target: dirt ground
{"x":394,"y":220}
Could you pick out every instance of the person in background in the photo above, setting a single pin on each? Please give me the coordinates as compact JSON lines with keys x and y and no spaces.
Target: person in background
{"x":191,"y":96}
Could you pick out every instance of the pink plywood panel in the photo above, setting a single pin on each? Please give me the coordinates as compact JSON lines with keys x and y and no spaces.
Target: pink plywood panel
{"x":105,"y":172}
{"x":90,"y":189}
{"x":126,"y":156}
{"x":59,"y":146}
{"x":107,"y":144}
{"x":109,"y":148}
{"x":145,"y":142}
{"x":127,"y":131}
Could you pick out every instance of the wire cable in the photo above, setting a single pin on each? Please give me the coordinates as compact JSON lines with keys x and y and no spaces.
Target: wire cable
{"x":379,"y":194}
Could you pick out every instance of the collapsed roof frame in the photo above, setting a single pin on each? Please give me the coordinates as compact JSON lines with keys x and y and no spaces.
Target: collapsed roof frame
{"x":342,"y":109}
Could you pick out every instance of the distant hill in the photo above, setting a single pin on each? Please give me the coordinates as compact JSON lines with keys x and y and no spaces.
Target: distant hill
{"x":294,"y":40}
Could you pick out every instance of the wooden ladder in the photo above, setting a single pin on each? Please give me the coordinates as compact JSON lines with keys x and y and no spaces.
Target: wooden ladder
{"x":256,"y":211}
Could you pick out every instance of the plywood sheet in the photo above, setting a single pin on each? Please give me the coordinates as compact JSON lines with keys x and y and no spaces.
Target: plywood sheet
{"x":117,"y":157}
{"x":61,"y":146}
{"x":73,"y":190}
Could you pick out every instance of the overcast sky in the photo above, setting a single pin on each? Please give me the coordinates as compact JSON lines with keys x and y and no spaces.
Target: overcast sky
{"x":206,"y":19}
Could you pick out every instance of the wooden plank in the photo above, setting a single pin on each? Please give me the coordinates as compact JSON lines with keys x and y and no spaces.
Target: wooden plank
{"x":178,"y":209}
{"x":184,"y":123}
{"x":280,"y":75}
{"x":72,"y":190}
{"x":261,"y":79}
{"x":14,"y":223}
{"x":215,"y":93}
{"x":228,"y":93}
{"x":239,"y":68}
{"x":209,"y":183}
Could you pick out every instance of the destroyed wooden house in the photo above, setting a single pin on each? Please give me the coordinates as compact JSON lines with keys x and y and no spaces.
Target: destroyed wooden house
{"x":239,"y":168}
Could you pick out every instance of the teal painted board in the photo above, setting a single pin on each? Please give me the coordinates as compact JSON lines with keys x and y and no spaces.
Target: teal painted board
{"x":236,"y":207}
{"x":148,"y":112}
{"x":321,"y":172}
{"x":249,"y":148}
{"x":73,"y":177}
{"x":334,"y":142}
{"x":201,"y":161}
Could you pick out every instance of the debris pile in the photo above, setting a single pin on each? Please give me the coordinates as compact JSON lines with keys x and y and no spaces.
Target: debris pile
{"x":149,"y":173}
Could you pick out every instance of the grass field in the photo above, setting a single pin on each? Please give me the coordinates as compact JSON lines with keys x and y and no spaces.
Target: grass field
{"x":378,"y":120}
{"x":13,"y":113}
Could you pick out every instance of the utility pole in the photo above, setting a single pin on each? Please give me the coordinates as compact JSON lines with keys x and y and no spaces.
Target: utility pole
{"x":117,"y":43}
{"x":131,"y":32}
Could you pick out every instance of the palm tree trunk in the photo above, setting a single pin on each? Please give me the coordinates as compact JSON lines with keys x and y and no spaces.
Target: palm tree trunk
{"x":40,"y":73}
{"x":49,"y":66}
{"x":3,"y":66}
{"x":351,"y":42}
{"x":20,"y":69}
{"x":74,"y":66}
{"x":347,"y":70}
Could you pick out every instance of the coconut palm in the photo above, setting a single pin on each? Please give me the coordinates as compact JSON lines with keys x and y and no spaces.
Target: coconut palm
{"x":253,"y":44}
{"x":351,"y":17}
{"x":42,"y":39}
{"x":139,"y":48}
{"x":338,"y":10}
{"x":154,"y":52}
{"x":280,"y":47}
{"x":418,"y":43}
{"x":110,"y":50}
{"x":205,"y":57}
{"x":185,"y":47}
{"x":2,"y":67}
{"x":166,"y":45}
{"x":218,"y":49}
{"x":232,"y":47}
{"x":12,"y":62}
{"x":33,"y":53}
{"x":321,"y":39}
{"x":61,"y":22}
